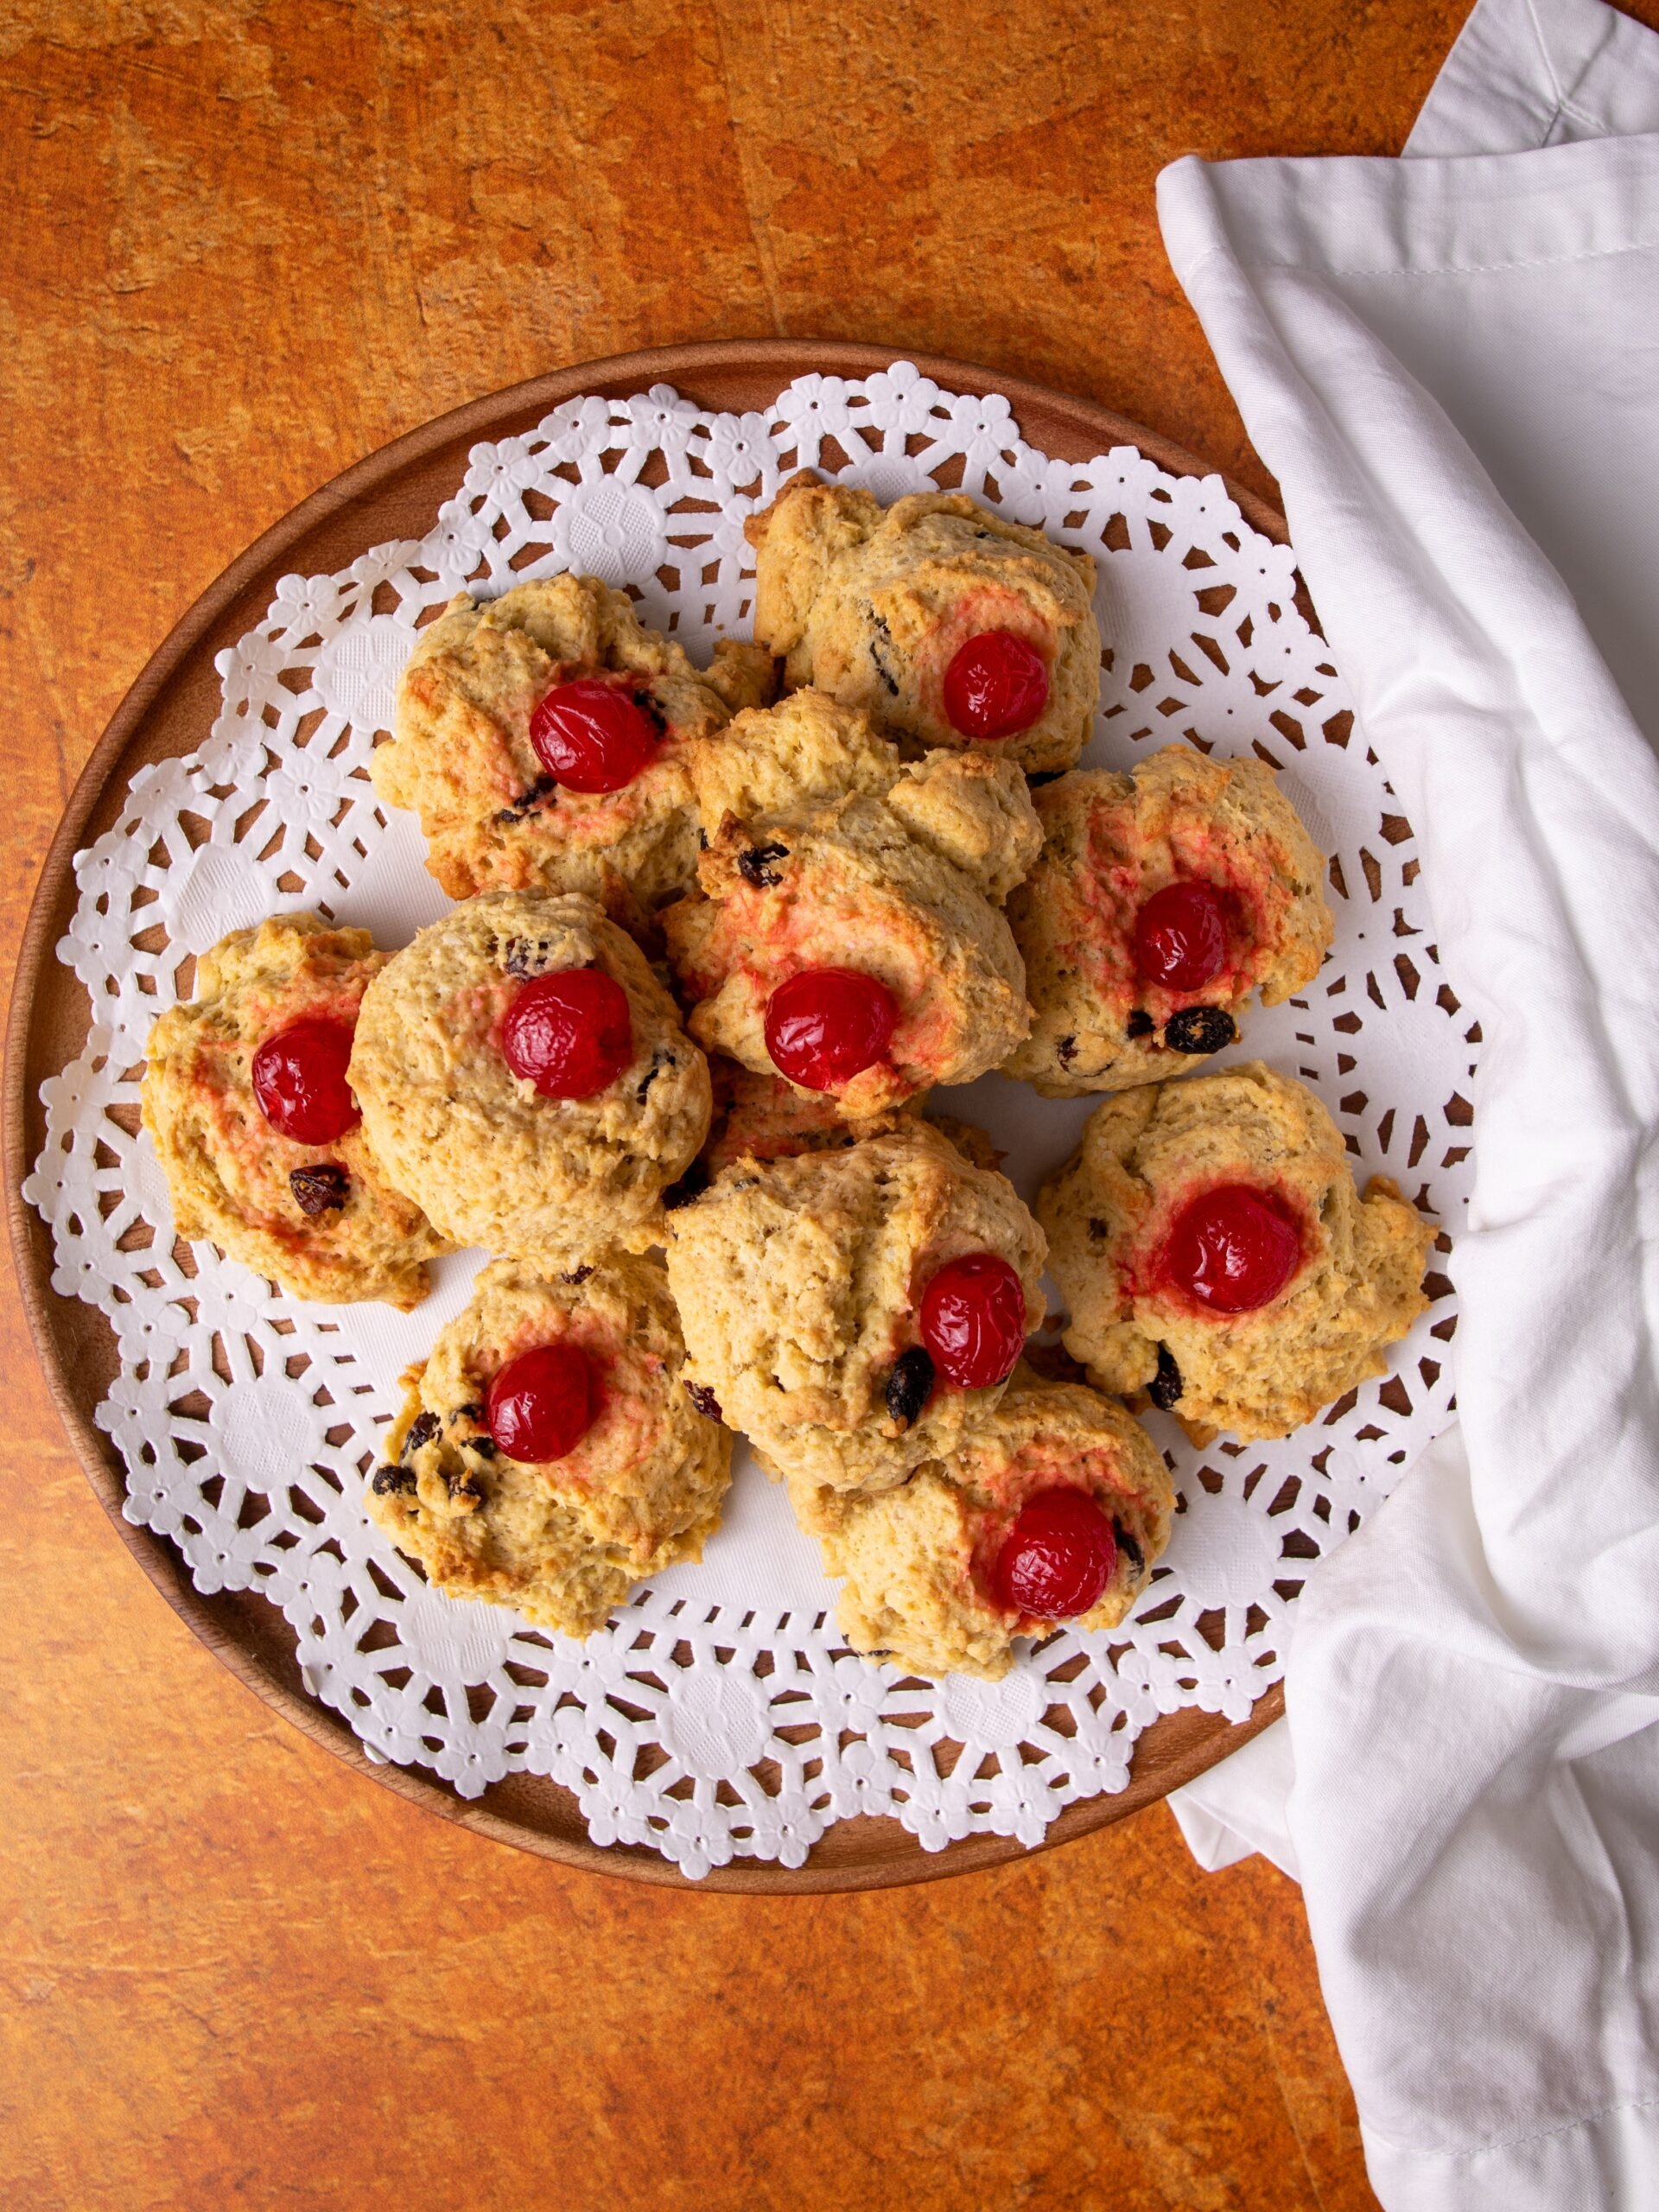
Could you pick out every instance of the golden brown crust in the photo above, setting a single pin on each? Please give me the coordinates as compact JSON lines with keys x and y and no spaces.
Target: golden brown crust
{"x":893,"y":878}
{"x":871,"y":604}
{"x":1144,"y":1156}
{"x":228,"y":1171}
{"x":1110,"y":841}
{"x":763,"y":1117}
{"x":462,"y":758}
{"x":563,"y":1541}
{"x":804,"y":751}
{"x":495,"y":1162}
{"x":798,"y":1281}
{"x":917,"y":1559}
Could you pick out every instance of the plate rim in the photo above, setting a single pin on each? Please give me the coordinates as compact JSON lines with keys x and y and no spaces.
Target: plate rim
{"x":905,"y":1862}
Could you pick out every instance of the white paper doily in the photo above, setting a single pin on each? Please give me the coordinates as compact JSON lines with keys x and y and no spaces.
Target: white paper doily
{"x":718,"y":1715}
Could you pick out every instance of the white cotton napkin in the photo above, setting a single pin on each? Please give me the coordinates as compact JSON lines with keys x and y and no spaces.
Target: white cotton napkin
{"x":1451,"y":363}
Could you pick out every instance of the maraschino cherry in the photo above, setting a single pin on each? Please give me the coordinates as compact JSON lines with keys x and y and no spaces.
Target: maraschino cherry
{"x":996,"y":686}
{"x":973,"y":1320}
{"x":569,"y":1034}
{"x":1180,"y":936}
{"x":541,"y":1405}
{"x":299,"y":1081}
{"x":827,"y":1024}
{"x":591,"y":735}
{"x":1233,"y":1249}
{"x":1057,"y":1559}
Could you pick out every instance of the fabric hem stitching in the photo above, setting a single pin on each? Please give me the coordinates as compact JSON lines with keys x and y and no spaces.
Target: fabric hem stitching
{"x":1510,"y":2142}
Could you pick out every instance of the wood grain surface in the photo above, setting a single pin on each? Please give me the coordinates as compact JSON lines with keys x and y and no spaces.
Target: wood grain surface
{"x":246,"y":242}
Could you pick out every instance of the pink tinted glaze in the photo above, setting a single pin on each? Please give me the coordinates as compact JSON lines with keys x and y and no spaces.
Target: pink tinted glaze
{"x":222,"y":1074}
{"x":1106,"y":901}
{"x":762,"y":937}
{"x":627,"y":1388}
{"x":1043,"y":1464}
{"x":988,"y":608}
{"x":1141,"y":1273}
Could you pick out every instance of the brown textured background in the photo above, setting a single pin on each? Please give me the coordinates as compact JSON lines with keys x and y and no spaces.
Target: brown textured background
{"x":244,"y":243}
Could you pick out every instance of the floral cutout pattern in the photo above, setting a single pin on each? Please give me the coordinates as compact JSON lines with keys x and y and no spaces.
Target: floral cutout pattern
{"x":719,"y":1714}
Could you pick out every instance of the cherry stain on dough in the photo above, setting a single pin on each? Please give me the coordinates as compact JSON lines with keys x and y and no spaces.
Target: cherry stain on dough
{"x":299,"y":1082}
{"x":1057,"y":1559}
{"x":1233,"y":1249}
{"x":827,"y":1024}
{"x":591,"y":735}
{"x":569,"y":1034}
{"x":541,"y":1405}
{"x":996,"y":686}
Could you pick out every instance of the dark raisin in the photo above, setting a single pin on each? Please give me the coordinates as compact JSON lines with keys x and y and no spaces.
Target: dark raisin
{"x":910,"y":1384}
{"x":1199,"y":1029}
{"x":542,"y":789}
{"x":691,"y":1185}
{"x":319,"y":1190}
{"x":1140,"y":1023}
{"x":463,"y":1487}
{"x":1066,"y":1051}
{"x":1097,"y":1230}
{"x":879,"y":655}
{"x":577,"y":1275}
{"x":658,"y":1062}
{"x":465,"y":1413}
{"x":422,"y":1430}
{"x":704,"y":1400}
{"x":483,"y":1446}
{"x":526,"y":956}
{"x":646,"y":703}
{"x":1165,"y":1385}
{"x":755,"y":866}
{"x":391,"y":1481}
{"x":1042,"y":776}
{"x":1129,"y":1546}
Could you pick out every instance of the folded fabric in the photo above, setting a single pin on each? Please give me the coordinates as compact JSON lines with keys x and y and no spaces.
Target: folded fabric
{"x":1452,"y":364}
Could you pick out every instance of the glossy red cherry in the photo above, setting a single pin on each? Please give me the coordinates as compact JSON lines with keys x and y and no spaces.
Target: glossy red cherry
{"x":996,"y":686}
{"x":541,"y":1405}
{"x":569,"y":1034}
{"x":1180,"y":936}
{"x":299,"y":1081}
{"x":1057,"y":1559}
{"x":1233,"y":1249}
{"x":974,"y":1319}
{"x":591,"y":736}
{"x":827,"y":1024}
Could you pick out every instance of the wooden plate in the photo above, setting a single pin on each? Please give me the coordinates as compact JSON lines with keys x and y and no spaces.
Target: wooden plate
{"x":396,"y":495}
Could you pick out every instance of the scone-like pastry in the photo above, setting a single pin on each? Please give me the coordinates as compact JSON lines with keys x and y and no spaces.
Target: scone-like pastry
{"x":1161,"y":900}
{"x":788,"y":761}
{"x":802,"y":753}
{"x":1052,"y":1509}
{"x":525,"y":1077}
{"x":549,"y":1455}
{"x":763,"y":1117}
{"x":541,"y":737}
{"x":1215,"y":1253}
{"x":853,"y":944}
{"x":246,"y":1099}
{"x":956,"y":627}
{"x":853,"y":1312}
